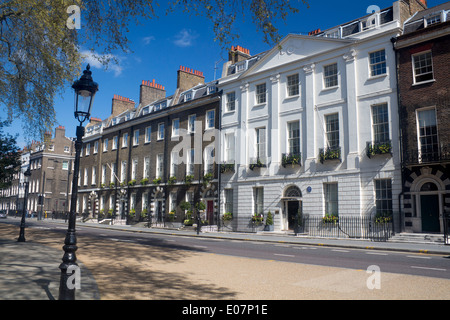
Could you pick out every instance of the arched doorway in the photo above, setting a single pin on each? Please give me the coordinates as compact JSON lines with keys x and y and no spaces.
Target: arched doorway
{"x":292,"y":202}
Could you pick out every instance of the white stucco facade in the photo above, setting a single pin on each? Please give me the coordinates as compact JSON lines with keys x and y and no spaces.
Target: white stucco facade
{"x":322,"y":110}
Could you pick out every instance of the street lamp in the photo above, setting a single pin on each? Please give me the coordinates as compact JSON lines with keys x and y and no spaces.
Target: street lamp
{"x":85,"y":89}
{"x":26,"y":181}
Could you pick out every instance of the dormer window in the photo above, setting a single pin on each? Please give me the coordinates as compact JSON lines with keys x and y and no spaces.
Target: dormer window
{"x":211,"y":89}
{"x":433,"y":19}
{"x":369,"y":23}
{"x":188,"y":96}
{"x":240,"y":66}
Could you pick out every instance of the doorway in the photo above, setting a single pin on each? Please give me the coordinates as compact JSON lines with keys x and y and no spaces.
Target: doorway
{"x":293,"y":208}
{"x":210,"y":211}
{"x":429,"y":211}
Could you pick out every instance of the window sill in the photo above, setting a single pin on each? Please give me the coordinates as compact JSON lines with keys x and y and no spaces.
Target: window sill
{"x":330,"y":88}
{"x":380,"y":76}
{"x":423,"y":82}
{"x":291,"y":97}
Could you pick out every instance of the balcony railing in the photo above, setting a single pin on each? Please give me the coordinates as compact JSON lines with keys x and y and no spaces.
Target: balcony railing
{"x":330,"y":153}
{"x":259,"y":162}
{"x":291,"y":158}
{"x":417,"y":156}
{"x":376,"y":148}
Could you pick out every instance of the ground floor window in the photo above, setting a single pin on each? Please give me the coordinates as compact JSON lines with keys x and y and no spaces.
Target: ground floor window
{"x":331,"y":199}
{"x":383,"y":197}
{"x":258,"y":200}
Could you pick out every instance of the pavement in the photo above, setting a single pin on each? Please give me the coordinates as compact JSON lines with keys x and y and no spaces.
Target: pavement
{"x":29,"y":270}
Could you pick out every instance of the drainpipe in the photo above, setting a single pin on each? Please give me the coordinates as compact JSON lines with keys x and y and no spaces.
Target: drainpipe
{"x":401,"y":222}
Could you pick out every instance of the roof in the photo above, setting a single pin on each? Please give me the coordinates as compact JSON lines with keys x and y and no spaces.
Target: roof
{"x":418,"y":20}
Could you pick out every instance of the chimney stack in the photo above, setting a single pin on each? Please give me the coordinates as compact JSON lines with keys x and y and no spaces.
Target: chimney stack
{"x":238,"y":53}
{"x":121,"y":104}
{"x":151,"y":91}
{"x":188,"y":78}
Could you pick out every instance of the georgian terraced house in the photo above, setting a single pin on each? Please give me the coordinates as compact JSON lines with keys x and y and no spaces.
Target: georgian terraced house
{"x":311,"y":125}
{"x":423,"y":58}
{"x":153,"y":157}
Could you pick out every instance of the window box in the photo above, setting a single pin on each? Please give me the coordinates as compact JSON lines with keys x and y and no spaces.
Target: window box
{"x":374,"y":148}
{"x":172,"y":180}
{"x":291,"y":158}
{"x":257,"y":163}
{"x":331,"y":153}
{"x":132,"y":182}
{"x":227,"y":167}
{"x":157,"y":181}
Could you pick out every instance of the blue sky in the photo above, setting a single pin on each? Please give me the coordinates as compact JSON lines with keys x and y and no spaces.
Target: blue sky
{"x":161,"y":45}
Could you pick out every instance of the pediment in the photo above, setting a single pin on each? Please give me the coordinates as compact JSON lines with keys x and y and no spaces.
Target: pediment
{"x":296,"y":47}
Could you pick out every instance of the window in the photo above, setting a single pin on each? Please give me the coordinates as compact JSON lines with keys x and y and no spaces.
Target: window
{"x":330,"y":75}
{"x":66,"y":149}
{"x":174,"y":163}
{"x":123,"y":171}
{"x":125,"y":140}
{"x":191,"y":124}
{"x":146,"y":167}
{"x":292,"y":85}
{"x":190,"y":162}
{"x":229,"y":147}
{"x":258,"y":200}
{"x":115,"y":142}
{"x":86,"y":175}
{"x":380,"y":123}
{"x":159,"y":165}
{"x":383,"y":197}
{"x":428,"y":138}
{"x":433,"y":19}
{"x":332,"y":130}
{"x":173,"y":201}
{"x":331,"y":198}
{"x":423,"y":67}
{"x":65,"y":165}
{"x":229,"y":200}
{"x":134,"y":166}
{"x":144,"y":201}
{"x":113,"y":172}
{"x":209,"y":159}
{"x":261,"y":93}
{"x":161,"y":131}
{"x":210,"y":119}
{"x":175,"y":127}
{"x":231,"y":101}
{"x":103,"y":173}
{"x":294,"y":137}
{"x":188,"y":96}
{"x":94,"y":175}
{"x":148,"y":132}
{"x":377,"y":63}
{"x":136,"y":137}
{"x":261,"y":143}
{"x":95,"y":147}
{"x":88,"y":149}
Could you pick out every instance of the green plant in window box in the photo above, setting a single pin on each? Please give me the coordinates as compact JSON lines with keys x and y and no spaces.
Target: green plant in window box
{"x":330,"y":218}
{"x":172,"y":180}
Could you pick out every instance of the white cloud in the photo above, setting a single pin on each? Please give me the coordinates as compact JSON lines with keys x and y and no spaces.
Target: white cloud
{"x":147,"y":40}
{"x":107,"y":62}
{"x":185,"y":38}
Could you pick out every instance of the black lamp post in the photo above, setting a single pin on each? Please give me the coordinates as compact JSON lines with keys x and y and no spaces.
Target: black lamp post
{"x":26,"y":181}
{"x":85,"y":89}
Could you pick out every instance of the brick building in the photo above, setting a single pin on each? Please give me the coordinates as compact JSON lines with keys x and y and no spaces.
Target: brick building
{"x":153,"y":156}
{"x":423,"y":52}
{"x":51,"y":173}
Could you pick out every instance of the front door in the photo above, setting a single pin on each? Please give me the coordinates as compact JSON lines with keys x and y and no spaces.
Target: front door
{"x":292,"y":209}
{"x":429,"y":210}
{"x":210,"y":211}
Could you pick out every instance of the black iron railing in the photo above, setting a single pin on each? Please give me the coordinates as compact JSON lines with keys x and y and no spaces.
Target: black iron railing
{"x":418,"y":156}
{"x":358,"y":227}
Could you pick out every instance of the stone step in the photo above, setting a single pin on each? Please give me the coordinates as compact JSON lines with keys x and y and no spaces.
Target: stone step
{"x":418,"y":238}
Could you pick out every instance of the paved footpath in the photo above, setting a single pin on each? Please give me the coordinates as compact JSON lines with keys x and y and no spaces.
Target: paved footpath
{"x":29,"y":271}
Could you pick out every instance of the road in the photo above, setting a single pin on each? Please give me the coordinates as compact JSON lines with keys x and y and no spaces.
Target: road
{"x":197,"y":268}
